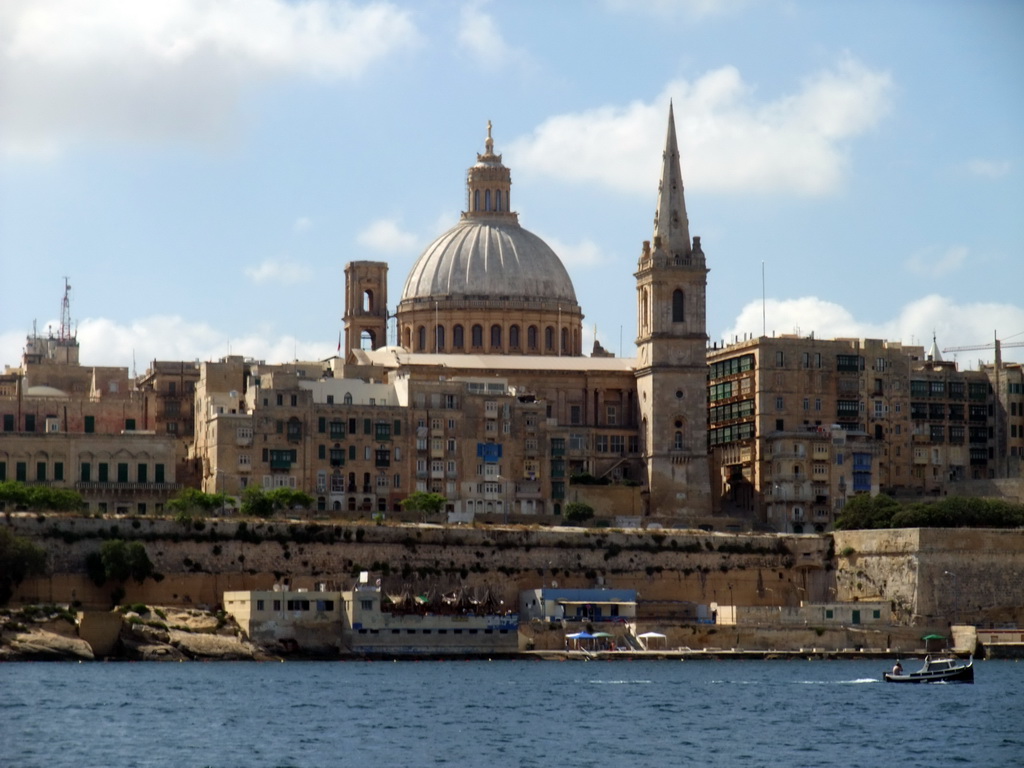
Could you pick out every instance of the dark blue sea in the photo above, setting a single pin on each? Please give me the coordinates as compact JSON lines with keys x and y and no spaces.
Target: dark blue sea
{"x":505,"y":713}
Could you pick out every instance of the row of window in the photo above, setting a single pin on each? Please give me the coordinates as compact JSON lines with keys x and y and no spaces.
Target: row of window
{"x":45,"y":471}
{"x":439,"y":342}
{"x":52,"y":423}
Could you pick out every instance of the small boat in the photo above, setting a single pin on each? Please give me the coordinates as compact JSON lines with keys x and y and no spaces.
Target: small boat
{"x":936,"y":669}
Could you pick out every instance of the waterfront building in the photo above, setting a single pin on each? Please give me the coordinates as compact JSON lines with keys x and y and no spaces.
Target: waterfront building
{"x":797,"y":425}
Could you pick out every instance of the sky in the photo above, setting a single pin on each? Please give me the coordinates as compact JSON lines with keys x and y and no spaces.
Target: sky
{"x":202,"y":170}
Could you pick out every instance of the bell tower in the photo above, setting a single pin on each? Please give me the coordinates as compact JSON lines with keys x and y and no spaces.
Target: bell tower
{"x":366,"y":305}
{"x":671,"y":372}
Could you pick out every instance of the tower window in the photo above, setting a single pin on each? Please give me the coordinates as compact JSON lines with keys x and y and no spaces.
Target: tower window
{"x":513,"y":337}
{"x":439,"y":337}
{"x":549,"y":339}
{"x":458,"y":338}
{"x":421,"y":338}
{"x":677,"y":306}
{"x":495,"y":337}
{"x":531,"y":337}
{"x":478,"y":336}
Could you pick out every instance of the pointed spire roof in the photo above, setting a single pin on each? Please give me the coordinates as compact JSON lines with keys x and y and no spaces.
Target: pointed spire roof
{"x":671,"y":226}
{"x":933,"y":354}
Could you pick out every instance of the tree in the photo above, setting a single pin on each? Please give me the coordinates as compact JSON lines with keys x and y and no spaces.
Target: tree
{"x":423,"y":502}
{"x":119,"y":561}
{"x":19,"y":559}
{"x":578,"y":512}
{"x":866,"y":511}
{"x":259,"y":503}
{"x":40,"y":497}
{"x":192,"y":500}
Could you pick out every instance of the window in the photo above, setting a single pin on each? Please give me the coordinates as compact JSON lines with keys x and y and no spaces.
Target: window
{"x":458,"y":337}
{"x":158,"y":473}
{"x":477,"y":336}
{"x":678,"y":305}
{"x":90,"y":424}
{"x":780,"y":359}
{"x":122,"y":472}
{"x":337,"y":430}
{"x":495,"y":337}
{"x":382,"y":431}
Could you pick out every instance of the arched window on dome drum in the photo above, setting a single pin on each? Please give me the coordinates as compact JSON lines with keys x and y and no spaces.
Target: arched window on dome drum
{"x":677,"y":306}
{"x":476,"y":199}
{"x":564,"y":349}
{"x":575,"y":342}
{"x":439,"y":330}
{"x":513,"y":337}
{"x":407,"y":341}
{"x":549,"y":339}
{"x":487,"y":199}
{"x":458,"y":340}
{"x":495,"y":337}
{"x":421,"y":338}
{"x":478,"y":336}
{"x":497,"y":200}
{"x":531,"y":338}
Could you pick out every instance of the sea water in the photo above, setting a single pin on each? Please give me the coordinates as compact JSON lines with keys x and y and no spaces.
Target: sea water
{"x":505,"y":713}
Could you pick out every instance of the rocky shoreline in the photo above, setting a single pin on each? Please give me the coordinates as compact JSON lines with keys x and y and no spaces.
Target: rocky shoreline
{"x":49,"y":633}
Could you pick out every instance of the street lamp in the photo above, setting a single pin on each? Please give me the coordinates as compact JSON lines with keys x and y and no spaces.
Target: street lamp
{"x":956,"y":597}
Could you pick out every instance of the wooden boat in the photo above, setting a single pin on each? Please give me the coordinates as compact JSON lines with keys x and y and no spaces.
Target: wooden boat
{"x":936,"y":669}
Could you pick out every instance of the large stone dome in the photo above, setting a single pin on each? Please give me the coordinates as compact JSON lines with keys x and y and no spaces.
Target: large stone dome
{"x":487,"y":285}
{"x":489,"y":258}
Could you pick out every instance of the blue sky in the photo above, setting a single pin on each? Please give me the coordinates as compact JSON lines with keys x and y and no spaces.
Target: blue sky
{"x":202,"y":170}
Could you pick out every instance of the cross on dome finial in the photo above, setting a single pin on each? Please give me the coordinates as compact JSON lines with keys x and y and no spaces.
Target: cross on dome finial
{"x":489,"y":143}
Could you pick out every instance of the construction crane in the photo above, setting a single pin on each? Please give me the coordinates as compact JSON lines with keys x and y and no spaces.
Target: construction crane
{"x":998,"y":345}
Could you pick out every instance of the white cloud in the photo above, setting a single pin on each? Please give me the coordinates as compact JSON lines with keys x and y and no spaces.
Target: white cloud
{"x":175,"y":69}
{"x":729,"y":140}
{"x":988,"y":169}
{"x":479,"y":34}
{"x":302,"y":224}
{"x":584,"y":254}
{"x":287,"y":272}
{"x":106,"y":342}
{"x":667,"y":8}
{"x":933,"y":263}
{"x":385,"y":236}
{"x":954,"y":325}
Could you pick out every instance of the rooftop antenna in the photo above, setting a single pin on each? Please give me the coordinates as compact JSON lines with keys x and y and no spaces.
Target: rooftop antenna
{"x":64,"y":334}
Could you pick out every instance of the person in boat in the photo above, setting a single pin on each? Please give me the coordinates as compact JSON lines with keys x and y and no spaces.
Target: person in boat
{"x":897,"y":669}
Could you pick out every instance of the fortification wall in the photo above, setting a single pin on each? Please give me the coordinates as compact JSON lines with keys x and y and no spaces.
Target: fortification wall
{"x":936,"y":575}
{"x":198,"y":565}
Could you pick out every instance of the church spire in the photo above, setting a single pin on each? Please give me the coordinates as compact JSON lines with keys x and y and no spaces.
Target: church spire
{"x":671,"y":227}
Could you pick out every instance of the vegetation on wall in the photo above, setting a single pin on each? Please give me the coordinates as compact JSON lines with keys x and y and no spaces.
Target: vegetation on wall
{"x":869,"y":512}
{"x":15,"y":495}
{"x":119,"y":561}
{"x":19,"y":559}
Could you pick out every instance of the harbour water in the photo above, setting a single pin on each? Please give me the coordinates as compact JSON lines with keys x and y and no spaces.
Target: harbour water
{"x":505,"y":713}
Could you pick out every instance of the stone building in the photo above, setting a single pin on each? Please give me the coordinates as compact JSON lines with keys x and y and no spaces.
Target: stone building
{"x":488,"y":400}
{"x":797,"y":425}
